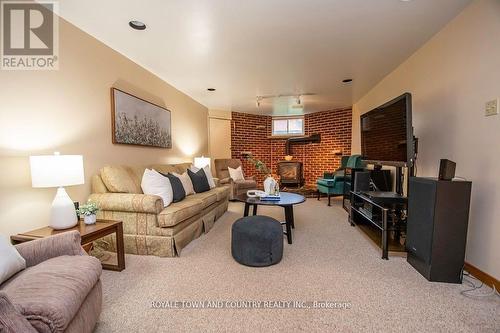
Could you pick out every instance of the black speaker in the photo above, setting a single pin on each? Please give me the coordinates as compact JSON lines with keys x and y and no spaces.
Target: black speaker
{"x":362,"y":181}
{"x":447,"y":169}
{"x":438,"y":215}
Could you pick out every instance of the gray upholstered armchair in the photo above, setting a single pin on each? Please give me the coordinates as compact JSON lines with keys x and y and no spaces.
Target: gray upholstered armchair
{"x":236,"y":187}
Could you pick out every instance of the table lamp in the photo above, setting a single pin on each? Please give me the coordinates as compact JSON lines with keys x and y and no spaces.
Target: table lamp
{"x":201,"y":162}
{"x":58,"y":171}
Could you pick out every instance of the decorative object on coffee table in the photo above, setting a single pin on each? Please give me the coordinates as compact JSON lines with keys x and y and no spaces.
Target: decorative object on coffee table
{"x":257,"y":241}
{"x":287,"y":201}
{"x":88,"y":233}
{"x":58,"y":171}
{"x":88,"y":211}
{"x":259,"y":165}
{"x":269,"y":182}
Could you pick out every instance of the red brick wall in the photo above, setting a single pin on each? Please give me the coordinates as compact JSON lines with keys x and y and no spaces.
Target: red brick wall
{"x":251,"y":133}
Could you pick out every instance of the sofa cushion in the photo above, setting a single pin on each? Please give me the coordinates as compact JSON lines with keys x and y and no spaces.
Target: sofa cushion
{"x":122,"y":179}
{"x":177,"y":188}
{"x":98,"y":185}
{"x":221,"y":166}
{"x":208,"y":173}
{"x":154,"y":183}
{"x":222,"y":192}
{"x":51,"y":293}
{"x":182,"y":167}
{"x":164,"y":168}
{"x":11,"y":261}
{"x":171,"y":168}
{"x":207,"y":198}
{"x":179,"y":211}
{"x":186,"y":182}
{"x":247,"y":183}
{"x":12,"y":321}
{"x":199,"y":180}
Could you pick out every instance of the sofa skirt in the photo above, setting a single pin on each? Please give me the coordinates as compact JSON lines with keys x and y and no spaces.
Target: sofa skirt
{"x":143,"y":237}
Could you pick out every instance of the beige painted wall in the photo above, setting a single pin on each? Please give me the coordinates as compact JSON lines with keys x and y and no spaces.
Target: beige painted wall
{"x":451,"y":77}
{"x":219,"y":134}
{"x":69,"y":111}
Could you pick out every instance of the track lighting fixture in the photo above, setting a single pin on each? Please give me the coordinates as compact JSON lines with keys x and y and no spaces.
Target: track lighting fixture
{"x":298,"y":98}
{"x":257,"y":102}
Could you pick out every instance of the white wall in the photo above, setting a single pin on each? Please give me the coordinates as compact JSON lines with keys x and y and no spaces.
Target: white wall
{"x":451,"y":77}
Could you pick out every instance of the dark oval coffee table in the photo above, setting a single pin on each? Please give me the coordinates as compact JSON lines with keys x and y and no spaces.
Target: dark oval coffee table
{"x":288,"y":200}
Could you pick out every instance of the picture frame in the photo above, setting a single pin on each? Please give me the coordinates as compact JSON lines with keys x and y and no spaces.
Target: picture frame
{"x":138,"y":122}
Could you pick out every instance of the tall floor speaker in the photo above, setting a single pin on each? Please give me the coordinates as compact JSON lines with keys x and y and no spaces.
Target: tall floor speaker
{"x":438,"y":215}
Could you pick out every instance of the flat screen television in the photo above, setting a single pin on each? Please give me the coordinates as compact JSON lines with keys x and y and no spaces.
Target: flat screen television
{"x":387,"y":133}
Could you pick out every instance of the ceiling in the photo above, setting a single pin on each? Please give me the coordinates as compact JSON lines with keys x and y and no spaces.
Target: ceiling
{"x":266,"y":47}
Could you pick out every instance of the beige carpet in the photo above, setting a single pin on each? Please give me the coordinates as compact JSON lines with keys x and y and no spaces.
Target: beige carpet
{"x":329,"y":261}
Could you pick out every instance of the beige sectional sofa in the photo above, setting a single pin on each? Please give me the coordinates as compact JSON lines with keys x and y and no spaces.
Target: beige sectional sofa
{"x":148,"y":227}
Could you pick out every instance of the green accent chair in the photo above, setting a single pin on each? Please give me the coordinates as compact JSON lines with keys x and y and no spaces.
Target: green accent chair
{"x":340,"y":171}
{"x":332,"y":184}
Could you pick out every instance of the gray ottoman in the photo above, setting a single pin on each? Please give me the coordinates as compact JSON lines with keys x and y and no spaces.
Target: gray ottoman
{"x":257,"y":241}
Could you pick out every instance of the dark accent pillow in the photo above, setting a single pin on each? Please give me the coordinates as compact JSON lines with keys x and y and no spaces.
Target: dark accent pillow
{"x":177,"y":188}
{"x":199,"y":180}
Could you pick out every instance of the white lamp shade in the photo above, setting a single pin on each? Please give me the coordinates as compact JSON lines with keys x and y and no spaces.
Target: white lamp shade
{"x":201,"y":162}
{"x":56,"y":170}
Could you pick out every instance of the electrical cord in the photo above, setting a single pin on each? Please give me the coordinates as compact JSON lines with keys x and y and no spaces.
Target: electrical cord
{"x":469,"y":280}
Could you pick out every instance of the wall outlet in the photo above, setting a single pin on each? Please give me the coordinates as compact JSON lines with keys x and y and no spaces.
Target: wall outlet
{"x":491,"y":108}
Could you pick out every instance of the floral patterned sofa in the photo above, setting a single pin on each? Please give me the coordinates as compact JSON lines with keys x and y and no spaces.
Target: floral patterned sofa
{"x":148,"y":227}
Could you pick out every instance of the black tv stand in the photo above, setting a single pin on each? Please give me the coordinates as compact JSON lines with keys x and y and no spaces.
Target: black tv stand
{"x":383,"y":197}
{"x":382,"y":216}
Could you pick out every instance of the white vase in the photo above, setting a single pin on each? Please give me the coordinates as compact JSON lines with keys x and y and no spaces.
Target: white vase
{"x":269,"y":185}
{"x":89,"y":219}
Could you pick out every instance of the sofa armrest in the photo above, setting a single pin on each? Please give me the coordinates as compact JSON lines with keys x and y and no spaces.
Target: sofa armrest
{"x":11,"y":321}
{"x":39,"y":250}
{"x":128,"y":202}
{"x":216,"y":181}
{"x":250,"y":178}
{"x":225,"y":181}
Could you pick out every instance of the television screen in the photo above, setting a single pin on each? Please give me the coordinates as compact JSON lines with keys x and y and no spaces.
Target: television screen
{"x":386,"y":133}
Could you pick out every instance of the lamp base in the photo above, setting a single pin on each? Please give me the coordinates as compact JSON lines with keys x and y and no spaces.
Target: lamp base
{"x":62,"y":214}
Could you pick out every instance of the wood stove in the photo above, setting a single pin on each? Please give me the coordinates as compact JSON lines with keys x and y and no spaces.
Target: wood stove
{"x":290,"y":173}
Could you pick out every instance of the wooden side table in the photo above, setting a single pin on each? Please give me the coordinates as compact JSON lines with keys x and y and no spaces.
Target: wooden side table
{"x":89,"y":233}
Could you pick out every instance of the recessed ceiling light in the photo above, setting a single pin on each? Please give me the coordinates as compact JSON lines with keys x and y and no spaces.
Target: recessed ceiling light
{"x":347,"y":81}
{"x":211,"y":89}
{"x":137,"y":25}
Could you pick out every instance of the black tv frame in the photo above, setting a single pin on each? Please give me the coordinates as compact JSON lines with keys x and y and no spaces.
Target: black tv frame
{"x":410,"y":145}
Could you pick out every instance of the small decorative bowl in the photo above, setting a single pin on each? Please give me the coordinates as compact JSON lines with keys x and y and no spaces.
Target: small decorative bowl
{"x":288,"y":157}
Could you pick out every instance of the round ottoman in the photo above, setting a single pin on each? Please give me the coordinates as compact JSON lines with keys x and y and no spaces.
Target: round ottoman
{"x":257,"y":241}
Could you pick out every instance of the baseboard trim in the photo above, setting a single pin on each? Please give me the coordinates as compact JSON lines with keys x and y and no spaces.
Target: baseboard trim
{"x":482,"y":276}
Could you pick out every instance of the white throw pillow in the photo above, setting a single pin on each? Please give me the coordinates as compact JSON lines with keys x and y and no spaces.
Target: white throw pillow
{"x":236,"y":174}
{"x":11,"y":261}
{"x":155,"y":183}
{"x":186,"y":182}
{"x":208,"y":173}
